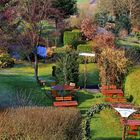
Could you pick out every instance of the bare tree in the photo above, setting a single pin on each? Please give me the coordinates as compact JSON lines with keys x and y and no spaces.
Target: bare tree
{"x":130,"y":7}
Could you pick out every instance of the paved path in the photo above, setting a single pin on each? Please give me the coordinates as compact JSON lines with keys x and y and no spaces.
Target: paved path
{"x":93,"y":91}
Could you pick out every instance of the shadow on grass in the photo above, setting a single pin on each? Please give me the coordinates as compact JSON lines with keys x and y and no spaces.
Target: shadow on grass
{"x":82,"y":96}
{"x":9,"y":85}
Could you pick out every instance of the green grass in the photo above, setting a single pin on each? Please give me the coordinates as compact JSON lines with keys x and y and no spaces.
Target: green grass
{"x":22,"y":77}
{"x":130,"y":42}
{"x":104,"y":126}
{"x":132,"y":84}
{"x":82,"y":1}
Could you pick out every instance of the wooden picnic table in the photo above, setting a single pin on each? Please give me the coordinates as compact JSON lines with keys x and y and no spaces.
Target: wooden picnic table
{"x":65,"y":104}
{"x":133,"y":122}
{"x":63,"y":87}
{"x":121,"y":105}
{"x":111,"y":92}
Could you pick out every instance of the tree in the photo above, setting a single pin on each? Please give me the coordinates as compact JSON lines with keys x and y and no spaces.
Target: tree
{"x":88,"y":28}
{"x":102,"y":41}
{"x":113,"y":66}
{"x":67,"y":7}
{"x":67,"y":68}
{"x":30,"y":13}
{"x":101,"y":18}
{"x":33,"y":12}
{"x":116,"y":7}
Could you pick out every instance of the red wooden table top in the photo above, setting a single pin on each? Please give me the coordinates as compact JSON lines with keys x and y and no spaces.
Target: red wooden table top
{"x":133,"y":122}
{"x":113,"y":91}
{"x":65,"y":103}
{"x":122,"y":105}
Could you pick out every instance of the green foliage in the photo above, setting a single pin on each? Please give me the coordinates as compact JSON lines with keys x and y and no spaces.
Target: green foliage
{"x":29,"y":123}
{"x":87,"y":48}
{"x":113,"y":66}
{"x":138,"y":35}
{"x":67,"y":68}
{"x":123,"y":22}
{"x":67,"y":7}
{"x":132,"y":85}
{"x":101,"y":18}
{"x":70,"y":36}
{"x":75,"y":43}
{"x":6,"y":61}
{"x":84,"y":48}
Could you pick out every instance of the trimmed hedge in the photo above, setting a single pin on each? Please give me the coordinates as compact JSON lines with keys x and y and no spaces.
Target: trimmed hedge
{"x":88,"y":48}
{"x":40,"y":123}
{"x":84,"y":48}
{"x":70,"y":36}
{"x":132,"y":85}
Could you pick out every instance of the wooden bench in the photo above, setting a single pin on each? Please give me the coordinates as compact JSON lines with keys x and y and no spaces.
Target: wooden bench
{"x":132,"y":133}
{"x":136,"y":116}
{"x":67,"y":98}
{"x":133,"y":127}
{"x":116,"y":100}
{"x":106,"y":87}
{"x":65,"y":104}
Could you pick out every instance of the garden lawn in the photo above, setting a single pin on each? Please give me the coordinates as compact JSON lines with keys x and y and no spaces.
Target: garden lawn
{"x":104,"y":126}
{"x":22,"y":77}
{"x":129,"y":42}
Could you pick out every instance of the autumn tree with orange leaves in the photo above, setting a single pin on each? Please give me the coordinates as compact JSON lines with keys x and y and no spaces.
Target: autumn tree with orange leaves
{"x":88,"y":28}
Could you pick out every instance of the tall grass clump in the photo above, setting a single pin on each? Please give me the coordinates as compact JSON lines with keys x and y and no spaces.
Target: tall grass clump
{"x":38,"y":123}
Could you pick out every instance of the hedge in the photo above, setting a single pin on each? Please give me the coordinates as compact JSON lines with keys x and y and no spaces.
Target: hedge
{"x":132,"y":85}
{"x":70,"y":36}
{"x":84,"y":48}
{"x":88,"y":48}
{"x":40,"y":123}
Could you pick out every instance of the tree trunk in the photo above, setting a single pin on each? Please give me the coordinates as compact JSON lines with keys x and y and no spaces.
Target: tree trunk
{"x":36,"y":67}
{"x":29,"y":59}
{"x":56,"y":26}
{"x":124,"y":129}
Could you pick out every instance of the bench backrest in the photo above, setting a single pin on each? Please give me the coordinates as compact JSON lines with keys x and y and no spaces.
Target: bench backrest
{"x":67,"y":98}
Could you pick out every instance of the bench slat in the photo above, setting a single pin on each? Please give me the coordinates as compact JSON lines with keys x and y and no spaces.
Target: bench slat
{"x":65,"y":104}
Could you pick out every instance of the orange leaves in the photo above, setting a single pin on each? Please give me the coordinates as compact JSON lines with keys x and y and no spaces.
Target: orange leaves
{"x":105,"y":40}
{"x":88,"y":28}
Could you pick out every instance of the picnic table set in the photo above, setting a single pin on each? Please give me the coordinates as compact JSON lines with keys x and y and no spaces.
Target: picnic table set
{"x":64,"y":96}
{"x":128,"y":113}
{"x":129,"y":117}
